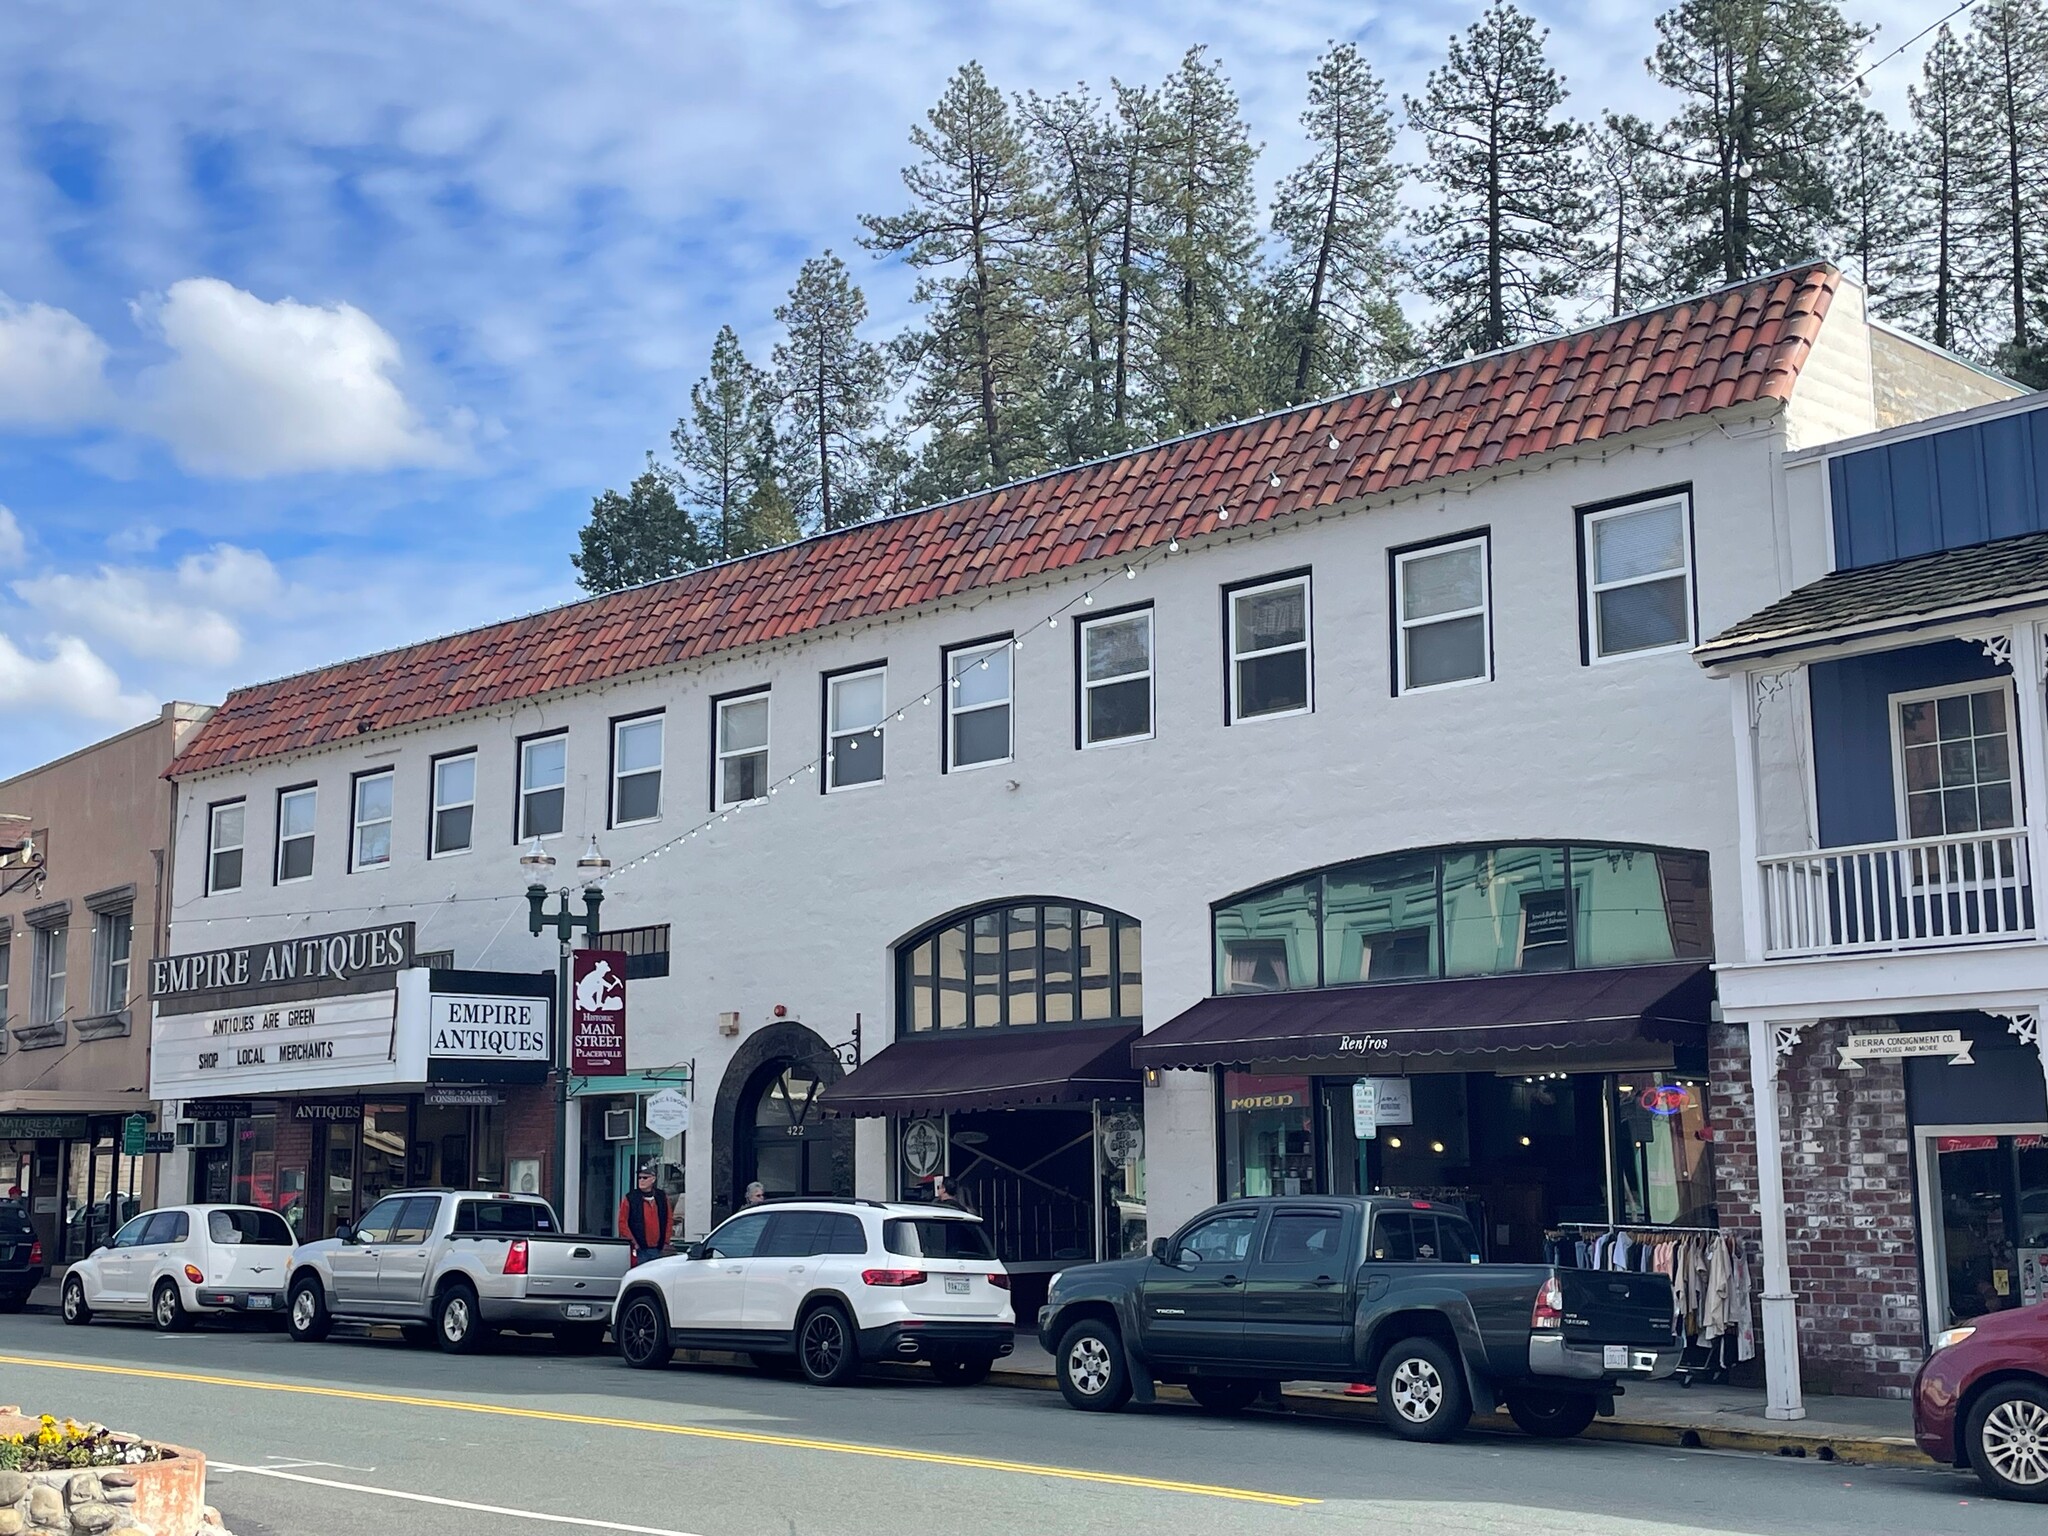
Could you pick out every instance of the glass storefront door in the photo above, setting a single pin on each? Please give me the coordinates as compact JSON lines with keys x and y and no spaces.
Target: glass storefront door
{"x":1985,"y":1202}
{"x":382,"y":1163}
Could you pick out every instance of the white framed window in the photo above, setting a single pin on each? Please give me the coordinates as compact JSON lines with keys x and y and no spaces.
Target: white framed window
{"x":1116,"y":678}
{"x":741,"y":750}
{"x":370,"y":847}
{"x":454,"y":810}
{"x":978,"y":691}
{"x":1269,"y":650}
{"x":295,"y":812}
{"x":6,"y":965}
{"x":47,"y":990}
{"x":1442,"y":608}
{"x":543,"y":785}
{"x":113,"y":938}
{"x":855,"y":703}
{"x":636,"y":769}
{"x":226,"y":835}
{"x":1639,"y":578}
{"x":1953,"y":754}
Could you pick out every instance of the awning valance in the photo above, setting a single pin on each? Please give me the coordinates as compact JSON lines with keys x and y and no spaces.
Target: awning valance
{"x":1662,"y":1004}
{"x":990,"y":1069}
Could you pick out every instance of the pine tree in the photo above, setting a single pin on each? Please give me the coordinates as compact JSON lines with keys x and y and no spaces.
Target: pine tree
{"x":640,"y":536}
{"x":1504,"y":239}
{"x":832,"y":383}
{"x":1070,"y":136}
{"x":1200,"y":204}
{"x":1877,"y":211}
{"x":1933,"y":291}
{"x":714,"y":447}
{"x":2005,"y":159}
{"x":1624,"y":272}
{"x":1747,"y":176}
{"x":972,"y":228}
{"x":1131,"y":253}
{"x":1333,"y":285}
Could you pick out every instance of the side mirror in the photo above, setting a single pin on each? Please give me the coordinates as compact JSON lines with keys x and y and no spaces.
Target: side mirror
{"x":1162,"y":1249}
{"x":696,"y":1251}
{"x":345,"y":1232}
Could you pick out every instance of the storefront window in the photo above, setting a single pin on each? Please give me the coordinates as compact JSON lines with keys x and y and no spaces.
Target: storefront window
{"x":1992,"y":1192}
{"x":1269,"y":1136}
{"x":1664,"y":1167}
{"x":1637,"y":907}
{"x":253,"y":1179}
{"x":1506,"y":909}
{"x":1267,"y":943}
{"x":382,"y":1166}
{"x":1380,"y":921}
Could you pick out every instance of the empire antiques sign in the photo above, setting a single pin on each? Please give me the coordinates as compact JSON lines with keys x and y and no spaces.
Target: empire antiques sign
{"x":330,"y":957}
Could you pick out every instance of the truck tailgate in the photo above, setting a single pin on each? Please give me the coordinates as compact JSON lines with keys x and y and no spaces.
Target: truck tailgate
{"x":575,"y":1268}
{"x":1603,"y":1306}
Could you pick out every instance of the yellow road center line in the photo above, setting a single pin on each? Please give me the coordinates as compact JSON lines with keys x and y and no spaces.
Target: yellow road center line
{"x":689,"y":1431}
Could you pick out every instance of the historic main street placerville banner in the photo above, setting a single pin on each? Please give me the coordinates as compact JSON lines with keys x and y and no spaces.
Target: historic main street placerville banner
{"x":597,"y":1012}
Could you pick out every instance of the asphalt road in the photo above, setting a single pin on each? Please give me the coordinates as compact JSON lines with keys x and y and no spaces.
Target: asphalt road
{"x":359,"y":1435}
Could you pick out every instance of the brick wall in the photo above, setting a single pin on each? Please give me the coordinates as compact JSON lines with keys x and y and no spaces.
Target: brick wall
{"x":1848,"y":1204}
{"x":530,"y":1127}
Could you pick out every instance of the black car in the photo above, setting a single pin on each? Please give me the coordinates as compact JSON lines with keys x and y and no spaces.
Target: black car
{"x":21,"y":1257}
{"x":1353,"y":1289}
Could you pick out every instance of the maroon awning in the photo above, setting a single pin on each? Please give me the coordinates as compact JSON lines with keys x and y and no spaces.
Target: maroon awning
{"x":990,"y":1069}
{"x":1662,"y":1004}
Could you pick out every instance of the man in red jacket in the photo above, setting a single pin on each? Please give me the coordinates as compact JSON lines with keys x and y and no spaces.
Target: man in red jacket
{"x":644,"y":1217}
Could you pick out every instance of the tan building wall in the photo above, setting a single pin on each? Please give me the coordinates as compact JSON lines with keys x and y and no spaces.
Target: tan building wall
{"x":101,"y":820}
{"x":1914,"y":380}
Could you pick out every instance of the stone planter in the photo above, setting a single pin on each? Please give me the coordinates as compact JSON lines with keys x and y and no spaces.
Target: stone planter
{"x":151,"y":1498}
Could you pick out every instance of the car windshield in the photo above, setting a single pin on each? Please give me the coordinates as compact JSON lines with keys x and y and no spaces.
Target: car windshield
{"x":260,"y":1229}
{"x":937,"y":1237}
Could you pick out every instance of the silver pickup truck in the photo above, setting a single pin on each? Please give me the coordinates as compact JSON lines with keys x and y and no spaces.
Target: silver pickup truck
{"x":457,"y":1266}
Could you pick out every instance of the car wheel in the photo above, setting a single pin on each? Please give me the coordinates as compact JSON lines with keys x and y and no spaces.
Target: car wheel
{"x":1549,"y":1414}
{"x":1092,"y":1373}
{"x":642,"y":1334}
{"x":167,"y":1311}
{"x":75,"y":1310}
{"x":2007,"y":1438}
{"x":458,"y":1322}
{"x":418,"y":1335}
{"x":825,"y":1347}
{"x":1219,"y":1395}
{"x":1422,"y":1391}
{"x":963,"y":1370}
{"x":305,"y":1315}
{"x":581,"y":1338}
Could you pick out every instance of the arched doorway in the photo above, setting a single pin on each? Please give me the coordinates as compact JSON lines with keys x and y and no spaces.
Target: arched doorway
{"x":766,"y":1123}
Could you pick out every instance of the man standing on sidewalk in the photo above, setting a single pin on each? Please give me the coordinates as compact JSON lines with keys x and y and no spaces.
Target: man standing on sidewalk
{"x":644,"y":1217}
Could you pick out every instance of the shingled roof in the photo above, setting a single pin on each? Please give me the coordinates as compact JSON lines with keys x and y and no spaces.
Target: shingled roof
{"x":1735,"y":346}
{"x":2006,"y":573}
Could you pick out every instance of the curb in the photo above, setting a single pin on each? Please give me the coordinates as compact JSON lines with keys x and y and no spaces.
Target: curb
{"x":1855,"y":1450}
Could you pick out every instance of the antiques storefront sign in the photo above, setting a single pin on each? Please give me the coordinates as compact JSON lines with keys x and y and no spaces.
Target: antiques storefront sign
{"x":307,"y":963}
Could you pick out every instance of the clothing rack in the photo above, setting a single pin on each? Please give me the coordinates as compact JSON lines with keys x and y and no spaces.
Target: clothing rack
{"x":1702,"y":1360}
{"x":1623,"y":1226}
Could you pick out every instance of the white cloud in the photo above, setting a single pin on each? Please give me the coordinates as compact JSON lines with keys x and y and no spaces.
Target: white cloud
{"x":231,"y":577}
{"x":70,"y":680}
{"x":259,"y":388}
{"x":52,"y":367}
{"x":13,"y":546}
{"x":135,"y":539}
{"x":179,"y":617}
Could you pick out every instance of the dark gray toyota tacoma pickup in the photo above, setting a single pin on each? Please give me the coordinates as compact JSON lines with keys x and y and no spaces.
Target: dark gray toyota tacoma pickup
{"x":1353,"y":1289}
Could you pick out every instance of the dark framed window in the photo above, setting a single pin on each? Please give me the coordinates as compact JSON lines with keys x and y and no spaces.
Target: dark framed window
{"x":1016,"y":964}
{"x":979,"y":695}
{"x":739,"y":749}
{"x":226,"y":838}
{"x":297,"y":810}
{"x":1113,"y":677}
{"x":543,"y":784}
{"x":636,"y":768}
{"x":1269,"y":629}
{"x":1443,"y":613}
{"x":370,"y":810}
{"x":453,"y":814}
{"x":856,"y":705}
{"x":1635,"y":576}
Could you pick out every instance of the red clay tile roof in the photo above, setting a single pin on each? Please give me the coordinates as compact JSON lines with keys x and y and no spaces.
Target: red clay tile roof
{"x":1737,"y":345}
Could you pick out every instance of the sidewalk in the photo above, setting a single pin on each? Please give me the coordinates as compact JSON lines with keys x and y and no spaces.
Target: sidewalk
{"x":1863,"y":1430}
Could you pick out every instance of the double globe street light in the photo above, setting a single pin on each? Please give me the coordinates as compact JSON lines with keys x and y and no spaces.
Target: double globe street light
{"x":538,"y":864}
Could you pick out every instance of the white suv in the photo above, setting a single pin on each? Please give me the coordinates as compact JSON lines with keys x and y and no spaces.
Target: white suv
{"x":832,"y":1283}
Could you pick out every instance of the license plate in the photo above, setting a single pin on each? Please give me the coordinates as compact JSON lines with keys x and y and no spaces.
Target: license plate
{"x":259,"y":1303}
{"x":1614,"y":1357}
{"x":956,"y":1285}
{"x":575,"y":1310}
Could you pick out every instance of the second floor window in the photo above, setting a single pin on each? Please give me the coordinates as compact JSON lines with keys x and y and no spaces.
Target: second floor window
{"x":1638,"y":578}
{"x":224,"y":841}
{"x":742,"y":751}
{"x":454,"y":804}
{"x":543,"y":786}
{"x":636,"y":770}
{"x":855,"y":703}
{"x":1116,"y":679}
{"x":1441,"y":599}
{"x":978,"y":705}
{"x":372,"y":845}
{"x":1955,"y":761}
{"x":113,"y":937}
{"x":47,"y":996}
{"x":6,"y":961}
{"x":295,"y":834}
{"x":1269,"y":660}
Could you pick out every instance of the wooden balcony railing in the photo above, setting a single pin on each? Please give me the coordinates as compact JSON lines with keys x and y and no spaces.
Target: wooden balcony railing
{"x":1918,"y":894}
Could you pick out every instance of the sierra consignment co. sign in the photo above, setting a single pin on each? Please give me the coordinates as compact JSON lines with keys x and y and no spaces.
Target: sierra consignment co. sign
{"x":336,"y":958}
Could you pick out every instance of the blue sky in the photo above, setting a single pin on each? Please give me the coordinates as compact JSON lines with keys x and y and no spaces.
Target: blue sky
{"x":321,"y":323}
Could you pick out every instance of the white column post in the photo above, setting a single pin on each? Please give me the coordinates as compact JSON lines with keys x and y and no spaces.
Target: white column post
{"x":2028,"y":664}
{"x":1781,"y":1323}
{"x":1741,"y":695}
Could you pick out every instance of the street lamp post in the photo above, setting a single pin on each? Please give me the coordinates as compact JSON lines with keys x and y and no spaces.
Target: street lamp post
{"x":592,"y":867}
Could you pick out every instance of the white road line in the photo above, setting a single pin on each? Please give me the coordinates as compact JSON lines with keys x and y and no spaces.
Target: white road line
{"x":428,"y":1498}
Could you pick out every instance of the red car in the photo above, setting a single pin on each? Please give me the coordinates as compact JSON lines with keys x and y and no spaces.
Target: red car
{"x":1981,"y":1401}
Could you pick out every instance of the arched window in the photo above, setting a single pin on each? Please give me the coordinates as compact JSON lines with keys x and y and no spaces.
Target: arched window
{"x":1021,"y":963}
{"x":1466,"y":911}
